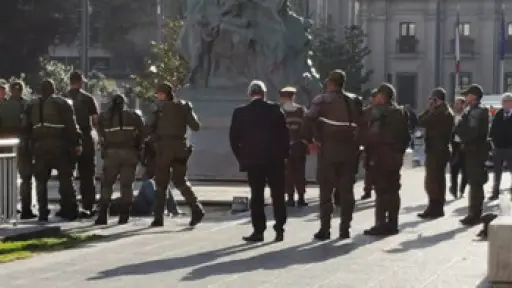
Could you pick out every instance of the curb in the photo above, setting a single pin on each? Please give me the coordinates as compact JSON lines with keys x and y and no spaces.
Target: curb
{"x":21,"y":233}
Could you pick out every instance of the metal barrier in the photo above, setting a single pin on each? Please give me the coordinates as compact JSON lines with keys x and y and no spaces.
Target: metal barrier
{"x":8,"y":181}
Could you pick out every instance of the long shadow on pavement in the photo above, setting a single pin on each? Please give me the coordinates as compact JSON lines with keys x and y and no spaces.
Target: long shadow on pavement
{"x":422,"y":242}
{"x":164,"y":265}
{"x":488,"y":207}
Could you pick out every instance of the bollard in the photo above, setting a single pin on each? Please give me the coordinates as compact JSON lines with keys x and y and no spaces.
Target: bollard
{"x":8,"y":181}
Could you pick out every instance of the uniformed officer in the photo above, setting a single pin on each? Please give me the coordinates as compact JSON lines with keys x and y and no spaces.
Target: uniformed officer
{"x":122,"y":134}
{"x":296,"y":164}
{"x":338,"y":118}
{"x":473,"y":129}
{"x":51,"y":129}
{"x":173,"y":151}
{"x":10,"y":126}
{"x":369,"y":182}
{"x":438,"y":121}
{"x":387,"y":138}
{"x":86,"y":110}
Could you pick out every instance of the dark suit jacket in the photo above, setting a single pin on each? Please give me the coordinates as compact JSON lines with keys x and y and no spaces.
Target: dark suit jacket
{"x":258,"y":134}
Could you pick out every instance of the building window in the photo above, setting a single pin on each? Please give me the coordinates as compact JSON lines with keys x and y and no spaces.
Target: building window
{"x":508,"y":82}
{"x":465,"y":79}
{"x":465,"y":29}
{"x":407,"y":29}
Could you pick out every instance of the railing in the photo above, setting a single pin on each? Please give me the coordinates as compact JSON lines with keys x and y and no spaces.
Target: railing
{"x":8,"y":181}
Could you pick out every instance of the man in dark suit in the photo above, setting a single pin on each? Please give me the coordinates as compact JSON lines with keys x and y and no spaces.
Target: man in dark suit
{"x":260,"y":141}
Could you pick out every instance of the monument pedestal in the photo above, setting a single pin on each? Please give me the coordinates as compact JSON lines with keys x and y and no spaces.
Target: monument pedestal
{"x":500,"y":251}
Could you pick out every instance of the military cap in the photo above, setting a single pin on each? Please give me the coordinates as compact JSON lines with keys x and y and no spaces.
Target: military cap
{"x":438,"y":93}
{"x":257,"y":87}
{"x":16,"y":85}
{"x":387,"y":89}
{"x":373,"y":93}
{"x":3,"y":84}
{"x":288,"y":91}
{"x":47,"y":87}
{"x":474,"y":89}
{"x":165,"y":88}
{"x":337,"y":77}
{"x":76,"y":77}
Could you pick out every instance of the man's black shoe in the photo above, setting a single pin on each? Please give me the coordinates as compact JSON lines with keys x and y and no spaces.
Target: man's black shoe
{"x":27,"y":215}
{"x":197,"y":217}
{"x":344,"y":234}
{"x":380,"y":230}
{"x":86,"y":214}
{"x":322,"y":235}
{"x":470,"y":221}
{"x":366,"y":196}
{"x":100,"y":221}
{"x":302,"y":203}
{"x":157,"y":222}
{"x":123,"y":219}
{"x":254,"y":238}
{"x":494,"y":196}
{"x":290,"y":203}
{"x":279,"y":237}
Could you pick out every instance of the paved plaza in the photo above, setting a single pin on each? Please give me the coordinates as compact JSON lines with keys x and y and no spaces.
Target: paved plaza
{"x":437,"y":253}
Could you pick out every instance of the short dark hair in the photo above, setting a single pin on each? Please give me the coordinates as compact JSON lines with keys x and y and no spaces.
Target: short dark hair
{"x":167,"y":89}
{"x":76,"y":77}
{"x":439,"y":93}
{"x":337,"y":77}
{"x":387,"y":89}
{"x":47,"y":88}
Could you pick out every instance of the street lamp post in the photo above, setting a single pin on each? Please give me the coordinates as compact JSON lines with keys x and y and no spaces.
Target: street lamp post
{"x":160,"y":19}
{"x":84,"y":59}
{"x":437,"y":54}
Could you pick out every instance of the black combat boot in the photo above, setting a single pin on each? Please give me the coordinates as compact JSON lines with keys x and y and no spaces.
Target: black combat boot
{"x":322,"y":235}
{"x":427,"y":214}
{"x":380,"y":218}
{"x":124,"y":216}
{"x":367,"y":195}
{"x":290,"y":202}
{"x":302,"y":202}
{"x":102,"y":216}
{"x":43,"y":214}
{"x":437,"y":210}
{"x":471,"y":220}
{"x":197,"y":214}
{"x":254,"y":238}
{"x":158,"y":221}
{"x":27,"y":214}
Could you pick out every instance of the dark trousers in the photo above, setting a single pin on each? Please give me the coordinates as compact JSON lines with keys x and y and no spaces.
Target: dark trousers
{"x":457,"y":168}
{"x":296,"y":171}
{"x":274,"y":176}
{"x":435,"y":179}
{"x":501,"y":155}
{"x":25,"y":169}
{"x":86,"y":171}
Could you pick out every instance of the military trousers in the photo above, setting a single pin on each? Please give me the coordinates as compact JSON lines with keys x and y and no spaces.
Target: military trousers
{"x":149,"y":174}
{"x":369,"y":175}
{"x":171,"y":165}
{"x":477,"y":177}
{"x":296,"y":170}
{"x":435,"y":176}
{"x":339,"y":177}
{"x":387,"y":187}
{"x":47,"y":157}
{"x":25,"y":169}
{"x":120,"y":163}
{"x":87,"y":170}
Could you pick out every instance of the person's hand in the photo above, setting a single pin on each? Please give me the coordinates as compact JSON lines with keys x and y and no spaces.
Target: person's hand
{"x":78,"y":150}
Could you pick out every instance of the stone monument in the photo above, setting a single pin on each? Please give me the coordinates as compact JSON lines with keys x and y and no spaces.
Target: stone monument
{"x":228,"y":43}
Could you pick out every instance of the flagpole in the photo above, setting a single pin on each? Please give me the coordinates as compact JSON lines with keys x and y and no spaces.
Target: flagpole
{"x":457,"y":52}
{"x":502,"y":50}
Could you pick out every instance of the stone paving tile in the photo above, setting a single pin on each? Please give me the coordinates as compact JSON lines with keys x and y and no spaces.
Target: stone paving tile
{"x":426,"y":254}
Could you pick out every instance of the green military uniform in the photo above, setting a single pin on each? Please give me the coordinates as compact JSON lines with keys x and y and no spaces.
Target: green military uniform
{"x":473,"y":131}
{"x":172,"y":153}
{"x":296,"y":164}
{"x":336,"y":117}
{"x":122,"y":137}
{"x":11,"y":112}
{"x":438,"y":124}
{"x":85,"y":106}
{"x":387,"y":138}
{"x":51,"y":128}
